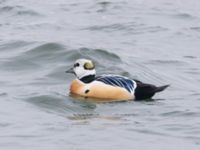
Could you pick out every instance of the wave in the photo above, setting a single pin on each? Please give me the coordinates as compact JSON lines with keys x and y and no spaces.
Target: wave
{"x":18,"y":10}
{"x":131,"y":27}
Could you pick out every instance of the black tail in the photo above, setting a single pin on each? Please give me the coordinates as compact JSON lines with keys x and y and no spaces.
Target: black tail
{"x":146,"y":91}
{"x":161,"y":88}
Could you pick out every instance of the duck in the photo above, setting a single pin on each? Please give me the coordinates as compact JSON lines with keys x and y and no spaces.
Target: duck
{"x":108,"y":87}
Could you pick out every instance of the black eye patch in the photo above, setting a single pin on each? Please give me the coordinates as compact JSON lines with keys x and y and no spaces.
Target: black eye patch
{"x":76,"y":65}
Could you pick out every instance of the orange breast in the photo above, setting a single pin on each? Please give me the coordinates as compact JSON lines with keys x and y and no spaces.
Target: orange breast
{"x":100,"y":90}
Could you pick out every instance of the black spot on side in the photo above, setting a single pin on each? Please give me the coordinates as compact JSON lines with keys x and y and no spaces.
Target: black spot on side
{"x":86,"y":91}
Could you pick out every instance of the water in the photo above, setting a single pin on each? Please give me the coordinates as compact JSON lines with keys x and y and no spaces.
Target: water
{"x":156,"y":41}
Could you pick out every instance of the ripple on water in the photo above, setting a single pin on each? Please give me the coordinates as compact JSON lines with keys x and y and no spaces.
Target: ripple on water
{"x":15,"y":46}
{"x":33,"y":58}
{"x":45,"y":49}
{"x":8,"y":8}
{"x":184,"y":16}
{"x":184,"y":114}
{"x":103,"y":6}
{"x":100,"y":54}
{"x":131,"y":27}
{"x":3,"y":94}
{"x":48,"y":53}
{"x":61,"y":104}
{"x":19,"y":65}
{"x":197,"y":29}
{"x":54,"y":53}
{"x":190,"y":57}
{"x":18,"y":10}
{"x":167,"y":62}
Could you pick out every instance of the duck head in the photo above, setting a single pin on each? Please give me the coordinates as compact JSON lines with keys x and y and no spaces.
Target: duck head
{"x":83,"y":68}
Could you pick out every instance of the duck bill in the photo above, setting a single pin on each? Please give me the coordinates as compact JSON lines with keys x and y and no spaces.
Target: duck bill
{"x":71,"y":70}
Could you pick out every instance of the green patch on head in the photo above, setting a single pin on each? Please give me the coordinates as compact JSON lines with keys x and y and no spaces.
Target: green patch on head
{"x":89,"y":65}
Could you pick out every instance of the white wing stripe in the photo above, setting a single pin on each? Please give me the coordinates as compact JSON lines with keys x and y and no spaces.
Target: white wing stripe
{"x":120,"y":81}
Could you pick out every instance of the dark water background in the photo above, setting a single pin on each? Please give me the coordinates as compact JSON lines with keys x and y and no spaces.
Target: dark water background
{"x":156,"y":41}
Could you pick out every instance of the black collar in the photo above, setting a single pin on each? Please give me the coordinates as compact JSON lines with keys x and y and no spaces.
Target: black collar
{"x":88,"y":79}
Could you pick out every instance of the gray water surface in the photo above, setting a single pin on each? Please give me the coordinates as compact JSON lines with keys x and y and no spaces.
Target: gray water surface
{"x":155,"y":41}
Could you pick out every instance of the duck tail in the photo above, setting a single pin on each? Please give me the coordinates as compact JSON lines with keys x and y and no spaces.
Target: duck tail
{"x":161,"y":88}
{"x":146,"y":91}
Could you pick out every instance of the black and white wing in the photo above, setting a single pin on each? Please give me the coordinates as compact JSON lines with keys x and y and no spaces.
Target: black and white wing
{"x":119,"y":81}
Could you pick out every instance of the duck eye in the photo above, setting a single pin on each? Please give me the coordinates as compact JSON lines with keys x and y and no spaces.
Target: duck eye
{"x":76,"y":65}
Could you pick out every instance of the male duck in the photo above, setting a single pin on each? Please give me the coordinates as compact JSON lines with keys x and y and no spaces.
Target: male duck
{"x":109,"y":87}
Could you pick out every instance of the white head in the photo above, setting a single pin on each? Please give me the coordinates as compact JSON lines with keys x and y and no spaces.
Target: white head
{"x":83,"y":68}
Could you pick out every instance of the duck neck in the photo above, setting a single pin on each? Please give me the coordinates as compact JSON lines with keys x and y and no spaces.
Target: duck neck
{"x":88,"y":78}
